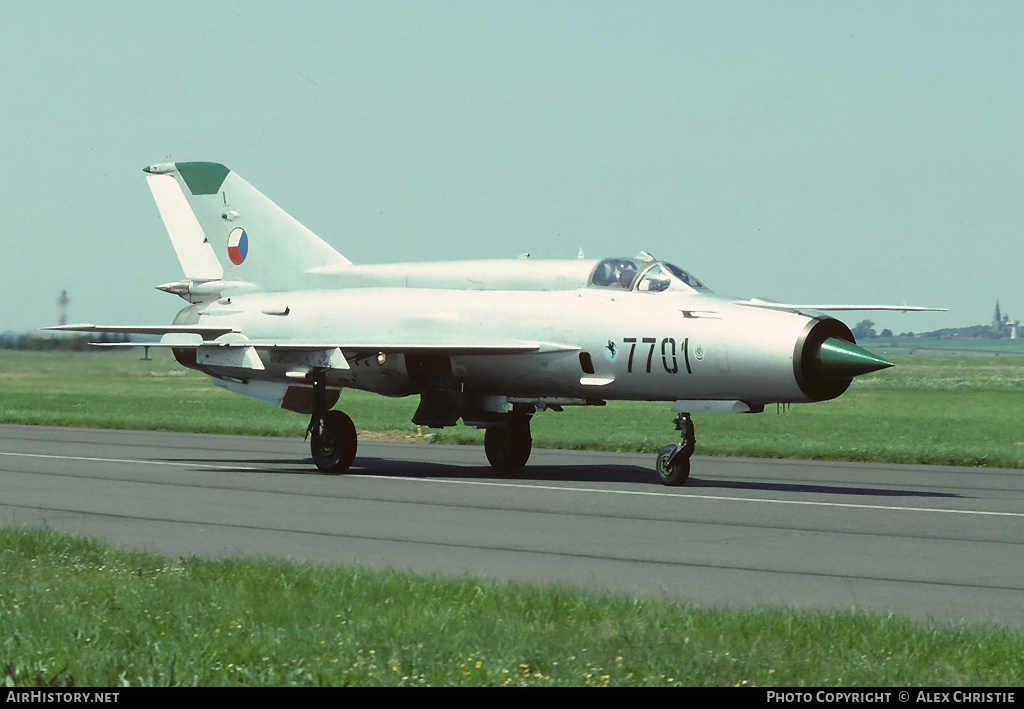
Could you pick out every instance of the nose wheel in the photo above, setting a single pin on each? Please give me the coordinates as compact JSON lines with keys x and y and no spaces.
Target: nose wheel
{"x":673,"y":462}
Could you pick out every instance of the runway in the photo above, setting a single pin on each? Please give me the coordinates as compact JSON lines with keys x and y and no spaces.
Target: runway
{"x":932,"y":543}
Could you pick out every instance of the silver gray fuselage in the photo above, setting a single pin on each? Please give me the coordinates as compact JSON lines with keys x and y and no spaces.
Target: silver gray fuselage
{"x":593,"y":343}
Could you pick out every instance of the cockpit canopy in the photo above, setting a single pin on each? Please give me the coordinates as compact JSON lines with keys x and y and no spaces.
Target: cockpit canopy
{"x":643,"y":275}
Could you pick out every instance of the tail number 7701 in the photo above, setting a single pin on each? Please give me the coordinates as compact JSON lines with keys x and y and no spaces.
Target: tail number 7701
{"x":669,"y":359}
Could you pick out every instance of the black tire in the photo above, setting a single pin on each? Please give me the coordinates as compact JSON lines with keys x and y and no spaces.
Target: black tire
{"x":673,"y":475}
{"x":508,"y":447}
{"x":334,"y":451}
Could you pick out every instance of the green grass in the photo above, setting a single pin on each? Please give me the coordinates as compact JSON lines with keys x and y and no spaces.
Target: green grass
{"x":76,"y":613}
{"x":941,"y":409}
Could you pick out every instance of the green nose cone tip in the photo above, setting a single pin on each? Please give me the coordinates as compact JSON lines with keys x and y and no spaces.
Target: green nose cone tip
{"x":844,"y":360}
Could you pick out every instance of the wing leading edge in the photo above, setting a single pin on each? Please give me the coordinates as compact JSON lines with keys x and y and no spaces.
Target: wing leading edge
{"x":194,"y":336}
{"x":770,"y":305}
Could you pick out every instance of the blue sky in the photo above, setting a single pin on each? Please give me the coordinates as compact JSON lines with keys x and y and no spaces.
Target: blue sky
{"x":822,"y":152}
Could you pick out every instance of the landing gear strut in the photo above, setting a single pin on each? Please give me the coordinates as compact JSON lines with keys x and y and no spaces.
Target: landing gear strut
{"x":508,"y":446}
{"x":332,"y":435}
{"x":673,"y":462}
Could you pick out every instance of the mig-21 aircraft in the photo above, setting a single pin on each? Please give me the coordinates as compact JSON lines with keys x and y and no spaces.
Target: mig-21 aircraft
{"x":278,"y":315}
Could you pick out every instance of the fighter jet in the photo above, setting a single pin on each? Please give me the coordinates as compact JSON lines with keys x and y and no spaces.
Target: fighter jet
{"x":276,"y":314}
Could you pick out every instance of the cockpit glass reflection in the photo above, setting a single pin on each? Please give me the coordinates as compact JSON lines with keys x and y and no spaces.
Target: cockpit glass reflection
{"x":631,"y":273}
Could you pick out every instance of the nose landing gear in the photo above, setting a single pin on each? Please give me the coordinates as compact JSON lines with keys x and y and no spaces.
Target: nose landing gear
{"x":673,"y":462}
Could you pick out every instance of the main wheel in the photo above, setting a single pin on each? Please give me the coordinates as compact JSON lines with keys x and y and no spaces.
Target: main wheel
{"x":334,"y":450}
{"x":676,"y":473}
{"x":508,"y":447}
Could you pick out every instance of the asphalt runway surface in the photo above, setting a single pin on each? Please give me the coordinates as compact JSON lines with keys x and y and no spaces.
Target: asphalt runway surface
{"x":933,"y":543}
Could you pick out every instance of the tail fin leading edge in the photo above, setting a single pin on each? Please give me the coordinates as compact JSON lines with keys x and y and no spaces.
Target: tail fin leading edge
{"x":224,"y":228}
{"x":194,"y":252}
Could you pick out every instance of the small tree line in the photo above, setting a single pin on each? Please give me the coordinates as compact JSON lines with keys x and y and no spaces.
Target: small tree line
{"x":866,"y":329}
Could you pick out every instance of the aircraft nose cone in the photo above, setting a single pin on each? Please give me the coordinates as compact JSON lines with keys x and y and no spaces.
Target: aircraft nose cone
{"x":838,"y":359}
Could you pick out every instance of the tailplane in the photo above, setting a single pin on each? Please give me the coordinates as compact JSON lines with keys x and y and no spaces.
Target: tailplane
{"x":223,"y":228}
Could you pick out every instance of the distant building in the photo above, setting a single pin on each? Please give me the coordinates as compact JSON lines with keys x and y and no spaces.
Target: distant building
{"x":62,"y":307}
{"x":1003,"y":326}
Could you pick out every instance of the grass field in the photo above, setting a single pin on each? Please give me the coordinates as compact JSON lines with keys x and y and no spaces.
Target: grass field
{"x":76,"y":613}
{"x":940,"y":409}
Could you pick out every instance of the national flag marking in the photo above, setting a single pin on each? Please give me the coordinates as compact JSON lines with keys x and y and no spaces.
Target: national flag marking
{"x":238,"y":245}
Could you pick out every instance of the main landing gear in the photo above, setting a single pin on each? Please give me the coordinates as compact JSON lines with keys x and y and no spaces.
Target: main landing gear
{"x":332,"y":435}
{"x":673,"y":463}
{"x":508,"y":446}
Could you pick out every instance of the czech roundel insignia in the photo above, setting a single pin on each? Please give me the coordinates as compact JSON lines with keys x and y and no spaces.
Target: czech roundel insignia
{"x":238,"y":245}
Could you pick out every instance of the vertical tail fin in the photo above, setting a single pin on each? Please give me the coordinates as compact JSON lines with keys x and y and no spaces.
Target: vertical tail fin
{"x":224,"y":228}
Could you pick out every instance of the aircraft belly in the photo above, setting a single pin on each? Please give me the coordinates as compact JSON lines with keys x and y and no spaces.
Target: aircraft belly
{"x":367,"y":374}
{"x":526,"y":375}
